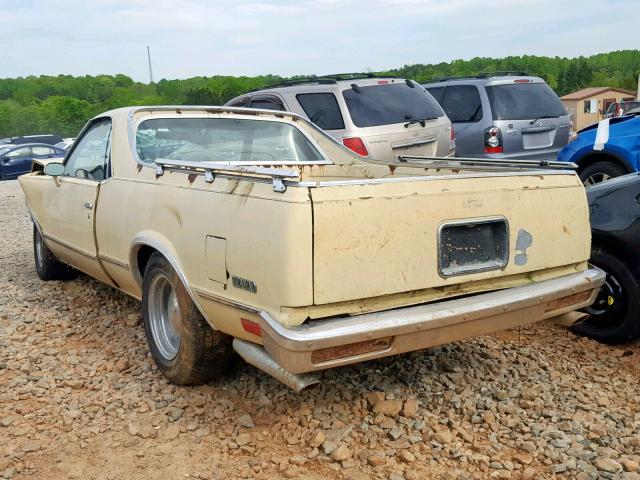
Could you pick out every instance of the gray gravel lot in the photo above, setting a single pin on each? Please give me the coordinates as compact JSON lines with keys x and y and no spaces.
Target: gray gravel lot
{"x":81,"y":398}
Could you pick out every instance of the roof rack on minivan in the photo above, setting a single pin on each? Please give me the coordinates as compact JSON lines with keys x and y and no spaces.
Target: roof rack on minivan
{"x":504,"y":73}
{"x":323,"y":79}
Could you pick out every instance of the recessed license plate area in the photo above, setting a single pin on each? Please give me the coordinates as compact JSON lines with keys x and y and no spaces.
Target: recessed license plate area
{"x":473,"y":246}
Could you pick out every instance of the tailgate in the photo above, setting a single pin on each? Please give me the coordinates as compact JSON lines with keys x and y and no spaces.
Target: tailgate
{"x":383,"y":237}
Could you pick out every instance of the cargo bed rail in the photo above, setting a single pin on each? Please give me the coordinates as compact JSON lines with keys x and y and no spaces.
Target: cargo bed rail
{"x":211,"y":169}
{"x":483,"y":164}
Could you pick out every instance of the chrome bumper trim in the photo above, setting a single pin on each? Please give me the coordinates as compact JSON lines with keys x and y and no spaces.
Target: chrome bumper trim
{"x":418,"y":327}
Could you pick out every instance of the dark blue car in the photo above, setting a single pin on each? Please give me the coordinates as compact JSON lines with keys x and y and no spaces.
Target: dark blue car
{"x":605,"y":150}
{"x":16,"y":159}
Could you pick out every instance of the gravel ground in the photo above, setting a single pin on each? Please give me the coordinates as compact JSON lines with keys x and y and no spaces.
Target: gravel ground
{"x":80,"y":398}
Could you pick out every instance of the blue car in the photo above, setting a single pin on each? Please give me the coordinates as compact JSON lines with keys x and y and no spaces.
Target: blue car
{"x":16,"y":159}
{"x":606,"y":149}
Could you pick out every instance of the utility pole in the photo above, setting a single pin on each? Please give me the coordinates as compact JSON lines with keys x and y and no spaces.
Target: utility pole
{"x":150,"y":71}
{"x":638,"y":93}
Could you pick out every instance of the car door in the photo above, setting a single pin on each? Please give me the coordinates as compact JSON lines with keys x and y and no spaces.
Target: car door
{"x":463,"y":106}
{"x":70,"y":201}
{"x":16,"y":162}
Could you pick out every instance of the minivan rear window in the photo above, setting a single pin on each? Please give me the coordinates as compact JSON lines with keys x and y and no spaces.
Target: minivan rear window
{"x":524,"y":101}
{"x":386,"y":104}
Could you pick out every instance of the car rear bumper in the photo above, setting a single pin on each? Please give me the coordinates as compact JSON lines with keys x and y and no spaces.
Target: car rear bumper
{"x":322,"y":344}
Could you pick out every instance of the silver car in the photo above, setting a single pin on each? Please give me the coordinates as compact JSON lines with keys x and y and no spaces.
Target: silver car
{"x":376,"y":117}
{"x":504,"y":115}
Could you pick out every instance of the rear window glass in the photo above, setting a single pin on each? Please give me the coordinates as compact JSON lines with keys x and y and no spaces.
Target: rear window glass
{"x":267,"y":104}
{"x":524,"y":101}
{"x":391,"y":103}
{"x":437,"y":93}
{"x":223,"y":140}
{"x":462,"y":104}
{"x":322,"y":109}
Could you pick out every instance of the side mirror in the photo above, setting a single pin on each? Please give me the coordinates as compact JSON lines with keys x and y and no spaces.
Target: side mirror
{"x":54,"y":169}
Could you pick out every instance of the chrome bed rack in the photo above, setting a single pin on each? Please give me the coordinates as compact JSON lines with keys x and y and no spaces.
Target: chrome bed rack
{"x":483,"y":164}
{"x":211,"y":169}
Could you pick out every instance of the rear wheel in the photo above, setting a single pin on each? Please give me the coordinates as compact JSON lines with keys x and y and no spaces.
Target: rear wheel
{"x":615,"y":315}
{"x":601,"y":171}
{"x":183,"y":345}
{"x":48,"y":267}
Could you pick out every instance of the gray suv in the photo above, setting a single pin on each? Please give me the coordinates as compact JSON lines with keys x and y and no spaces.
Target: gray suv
{"x":503,"y":115}
{"x":376,"y":117}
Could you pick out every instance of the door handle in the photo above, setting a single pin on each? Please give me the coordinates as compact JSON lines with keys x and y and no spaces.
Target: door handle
{"x":88,"y":205}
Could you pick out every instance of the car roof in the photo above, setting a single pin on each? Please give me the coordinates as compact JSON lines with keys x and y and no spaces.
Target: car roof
{"x":320,"y":84}
{"x":488,"y":79}
{"x":20,"y":145}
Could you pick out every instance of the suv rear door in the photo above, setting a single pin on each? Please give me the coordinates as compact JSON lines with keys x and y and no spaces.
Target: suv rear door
{"x":529,"y":114}
{"x":463,"y":106}
{"x":397,"y":118}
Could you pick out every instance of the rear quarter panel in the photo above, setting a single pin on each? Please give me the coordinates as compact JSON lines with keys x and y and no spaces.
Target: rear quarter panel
{"x":267,"y":236}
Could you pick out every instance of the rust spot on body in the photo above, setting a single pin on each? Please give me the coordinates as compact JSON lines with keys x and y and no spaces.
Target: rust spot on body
{"x":192,"y":177}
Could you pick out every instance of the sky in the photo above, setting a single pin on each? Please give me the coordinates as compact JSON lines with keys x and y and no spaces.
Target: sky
{"x":288,"y":37}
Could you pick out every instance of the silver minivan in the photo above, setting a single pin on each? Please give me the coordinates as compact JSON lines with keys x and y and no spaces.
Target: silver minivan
{"x":376,"y":117}
{"x":504,"y":115}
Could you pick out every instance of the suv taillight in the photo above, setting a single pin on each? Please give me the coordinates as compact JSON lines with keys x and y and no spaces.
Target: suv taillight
{"x":357,"y":145}
{"x":452,"y":140}
{"x":493,"y":140}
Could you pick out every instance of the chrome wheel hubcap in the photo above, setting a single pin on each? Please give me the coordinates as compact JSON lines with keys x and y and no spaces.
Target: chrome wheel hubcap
{"x":164,"y":317}
{"x":596,"y":178}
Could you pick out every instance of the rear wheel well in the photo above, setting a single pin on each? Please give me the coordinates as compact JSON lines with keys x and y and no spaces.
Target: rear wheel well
{"x":592,"y":158}
{"x":142,"y":258}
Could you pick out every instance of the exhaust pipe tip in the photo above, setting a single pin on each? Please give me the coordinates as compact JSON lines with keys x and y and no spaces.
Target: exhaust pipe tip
{"x":571,"y":318}
{"x":257,"y":356}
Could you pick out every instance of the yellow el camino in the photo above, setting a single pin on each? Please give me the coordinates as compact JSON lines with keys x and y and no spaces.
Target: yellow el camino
{"x":255,"y":231}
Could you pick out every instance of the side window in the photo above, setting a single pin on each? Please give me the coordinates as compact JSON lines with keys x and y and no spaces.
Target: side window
{"x":462,"y":104}
{"x":438,"y":93}
{"x":90,"y":154}
{"x":41,"y":152}
{"x":322,"y":109}
{"x":23,"y":152}
{"x":243,"y":102}
{"x":267,"y":103}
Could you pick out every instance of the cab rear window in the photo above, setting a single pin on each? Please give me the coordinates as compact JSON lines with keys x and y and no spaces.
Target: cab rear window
{"x":386,"y":104}
{"x":524,"y":101}
{"x":224,"y":140}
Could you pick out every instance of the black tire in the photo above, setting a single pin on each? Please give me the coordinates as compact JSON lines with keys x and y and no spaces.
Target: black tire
{"x":600,"y":171}
{"x":48,"y":267}
{"x":615,"y":315}
{"x":201,"y":353}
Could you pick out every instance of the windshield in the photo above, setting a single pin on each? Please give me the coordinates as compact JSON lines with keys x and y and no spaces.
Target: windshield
{"x":524,"y":101}
{"x":223,"y":140}
{"x":4,"y":149}
{"x":390,"y":103}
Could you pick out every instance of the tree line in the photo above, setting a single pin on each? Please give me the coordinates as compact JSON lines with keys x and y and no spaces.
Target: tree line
{"x":62,"y":104}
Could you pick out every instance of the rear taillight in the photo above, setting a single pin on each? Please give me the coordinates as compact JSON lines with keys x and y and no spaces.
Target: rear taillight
{"x":493,"y":140}
{"x":452,"y":140}
{"x":357,"y":145}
